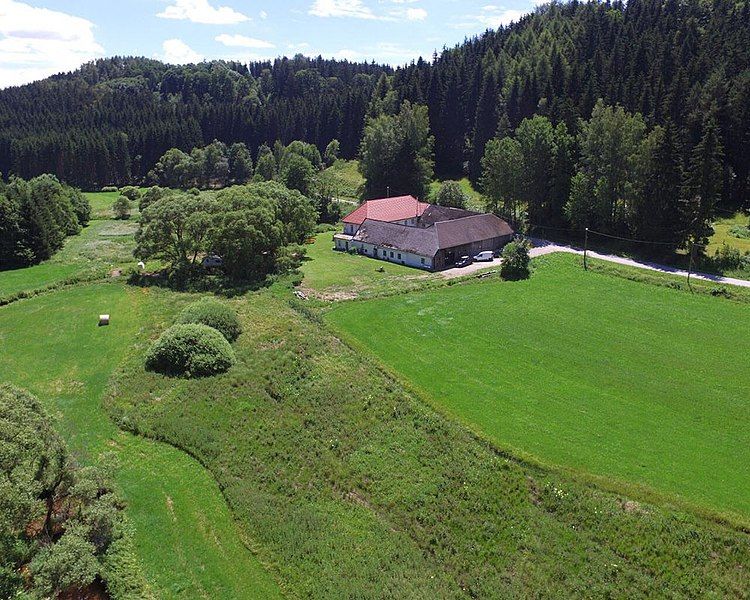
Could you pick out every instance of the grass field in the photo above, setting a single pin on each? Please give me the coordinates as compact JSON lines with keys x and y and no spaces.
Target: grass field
{"x":723,"y":234}
{"x":599,"y":374}
{"x":341,"y":275}
{"x":185,"y":537}
{"x":348,"y":178}
{"x":352,"y":488}
{"x":101,"y":204}
{"x":96,"y":251}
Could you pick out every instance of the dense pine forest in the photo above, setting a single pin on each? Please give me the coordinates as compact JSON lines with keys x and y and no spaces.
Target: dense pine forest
{"x":681,"y":64}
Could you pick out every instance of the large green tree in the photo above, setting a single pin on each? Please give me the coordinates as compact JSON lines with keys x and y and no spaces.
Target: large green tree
{"x":396,"y":153}
{"x":610,"y":144}
{"x":536,"y":138}
{"x":61,"y":527}
{"x":502,"y":180}
{"x":657,"y":212}
{"x":175,"y":228}
{"x":704,"y":180}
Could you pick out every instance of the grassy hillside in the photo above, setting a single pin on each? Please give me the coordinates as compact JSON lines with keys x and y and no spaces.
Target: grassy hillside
{"x":475,"y":198}
{"x":185,"y":538}
{"x":351,"y":487}
{"x":621,"y":379}
{"x":348,"y":179}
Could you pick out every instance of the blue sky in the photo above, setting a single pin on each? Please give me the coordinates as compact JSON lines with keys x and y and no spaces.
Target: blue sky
{"x":42,"y":37}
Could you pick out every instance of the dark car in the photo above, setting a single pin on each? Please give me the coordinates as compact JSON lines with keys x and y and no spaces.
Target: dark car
{"x":464,"y":261}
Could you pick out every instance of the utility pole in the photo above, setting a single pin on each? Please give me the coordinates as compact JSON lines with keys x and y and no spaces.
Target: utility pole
{"x":691,"y":250}
{"x":388,"y":191}
{"x":586,"y":249}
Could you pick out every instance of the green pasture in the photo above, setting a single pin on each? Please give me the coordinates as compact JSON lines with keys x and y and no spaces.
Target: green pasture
{"x":627,"y":381}
{"x":186,"y":539}
{"x":101,"y":247}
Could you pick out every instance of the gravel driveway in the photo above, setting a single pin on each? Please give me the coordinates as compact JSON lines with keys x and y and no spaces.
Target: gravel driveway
{"x":542,"y":247}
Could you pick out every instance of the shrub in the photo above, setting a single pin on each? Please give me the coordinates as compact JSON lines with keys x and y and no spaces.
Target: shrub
{"x":450,"y":194}
{"x":214,"y":314}
{"x":121,"y":207}
{"x":516,"y":261}
{"x":192,"y":350}
{"x":728,"y":257}
{"x":740,"y":231}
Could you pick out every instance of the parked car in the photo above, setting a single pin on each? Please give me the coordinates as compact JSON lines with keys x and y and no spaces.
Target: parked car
{"x":485,"y":256}
{"x":464,"y":261}
{"x":212,"y":261}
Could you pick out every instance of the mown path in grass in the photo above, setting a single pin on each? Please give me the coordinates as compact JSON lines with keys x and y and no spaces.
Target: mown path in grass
{"x":99,"y":248}
{"x":621,"y":379}
{"x":187,"y":541}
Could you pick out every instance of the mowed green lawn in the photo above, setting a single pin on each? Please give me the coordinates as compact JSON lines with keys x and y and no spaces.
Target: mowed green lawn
{"x":187,"y":541}
{"x":101,"y":203}
{"x":602,"y":375}
{"x":331,"y":272}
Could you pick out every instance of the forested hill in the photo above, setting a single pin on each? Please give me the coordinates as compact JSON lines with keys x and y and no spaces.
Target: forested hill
{"x":676,"y":62}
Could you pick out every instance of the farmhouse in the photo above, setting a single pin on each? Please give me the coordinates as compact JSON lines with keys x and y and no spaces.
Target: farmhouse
{"x":409,"y":232}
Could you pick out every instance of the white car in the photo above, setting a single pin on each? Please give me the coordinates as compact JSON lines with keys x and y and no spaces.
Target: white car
{"x":485,"y":256}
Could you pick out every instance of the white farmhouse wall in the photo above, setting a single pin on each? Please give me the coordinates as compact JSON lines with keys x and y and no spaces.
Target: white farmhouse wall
{"x":350,"y":228}
{"x":399,"y":257}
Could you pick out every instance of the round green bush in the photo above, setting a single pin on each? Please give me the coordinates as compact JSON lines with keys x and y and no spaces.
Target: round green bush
{"x":214,"y":314}
{"x":192,"y":350}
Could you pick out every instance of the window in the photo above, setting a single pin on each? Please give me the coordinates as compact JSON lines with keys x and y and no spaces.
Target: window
{"x":399,"y":256}
{"x":391,"y":254}
{"x":422,"y":260}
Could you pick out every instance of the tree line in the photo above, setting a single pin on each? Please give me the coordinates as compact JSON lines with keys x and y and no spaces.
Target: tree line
{"x":672,"y":62}
{"x":298,"y":166}
{"x":616,"y":176}
{"x":35,"y":218}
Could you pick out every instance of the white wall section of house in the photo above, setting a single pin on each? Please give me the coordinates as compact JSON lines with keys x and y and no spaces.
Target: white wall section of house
{"x":400,"y":257}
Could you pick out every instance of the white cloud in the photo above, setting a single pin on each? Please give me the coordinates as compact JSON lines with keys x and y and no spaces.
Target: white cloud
{"x":36,"y":43}
{"x":263,"y":15}
{"x":356,"y":9}
{"x":416,"y":14}
{"x":492,"y":17}
{"x":177,"y":52}
{"x":242,"y":41}
{"x":201,"y":11}
{"x":341,"y":8}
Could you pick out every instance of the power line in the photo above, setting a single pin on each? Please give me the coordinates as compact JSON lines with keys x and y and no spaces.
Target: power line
{"x":634,"y":240}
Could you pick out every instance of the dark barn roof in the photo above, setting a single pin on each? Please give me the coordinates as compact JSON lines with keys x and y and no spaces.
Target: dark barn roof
{"x":426,"y":241}
{"x":434,"y":213}
{"x":459,"y":232}
{"x":417,"y":240}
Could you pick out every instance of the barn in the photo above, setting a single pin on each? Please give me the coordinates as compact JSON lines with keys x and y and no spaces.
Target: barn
{"x":421,"y":235}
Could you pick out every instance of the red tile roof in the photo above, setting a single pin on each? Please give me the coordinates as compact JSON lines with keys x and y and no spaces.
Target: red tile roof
{"x":388,"y":209}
